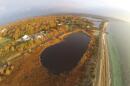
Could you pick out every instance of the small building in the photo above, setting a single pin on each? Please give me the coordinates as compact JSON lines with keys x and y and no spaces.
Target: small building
{"x":39,"y":36}
{"x":26,"y":38}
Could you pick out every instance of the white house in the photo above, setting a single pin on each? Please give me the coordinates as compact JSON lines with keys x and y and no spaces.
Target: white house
{"x":26,"y":38}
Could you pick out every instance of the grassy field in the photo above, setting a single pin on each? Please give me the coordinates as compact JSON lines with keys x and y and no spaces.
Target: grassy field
{"x":4,"y":41}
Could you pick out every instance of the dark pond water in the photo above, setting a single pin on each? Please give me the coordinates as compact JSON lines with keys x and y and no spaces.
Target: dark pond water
{"x":64,"y":56}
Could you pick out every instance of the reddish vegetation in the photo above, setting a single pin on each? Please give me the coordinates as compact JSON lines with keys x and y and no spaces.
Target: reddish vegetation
{"x":29,"y":72}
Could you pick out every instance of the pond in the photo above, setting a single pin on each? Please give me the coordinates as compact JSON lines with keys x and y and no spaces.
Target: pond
{"x":64,"y":56}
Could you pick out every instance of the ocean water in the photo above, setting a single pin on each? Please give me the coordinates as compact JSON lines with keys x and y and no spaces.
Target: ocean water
{"x":119,"y":36}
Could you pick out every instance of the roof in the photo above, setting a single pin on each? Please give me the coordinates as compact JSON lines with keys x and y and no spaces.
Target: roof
{"x":26,"y":37}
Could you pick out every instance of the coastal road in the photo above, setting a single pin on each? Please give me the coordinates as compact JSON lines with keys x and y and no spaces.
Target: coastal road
{"x":104,"y":68}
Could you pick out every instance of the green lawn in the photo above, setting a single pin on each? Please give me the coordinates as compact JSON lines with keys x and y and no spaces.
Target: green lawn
{"x":4,"y":41}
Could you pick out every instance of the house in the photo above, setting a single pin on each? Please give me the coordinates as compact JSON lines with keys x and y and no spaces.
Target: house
{"x":39,"y":36}
{"x":26,"y":38}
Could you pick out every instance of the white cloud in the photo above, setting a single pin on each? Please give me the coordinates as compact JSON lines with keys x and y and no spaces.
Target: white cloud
{"x":2,"y":8}
{"x":8,"y":7}
{"x":117,"y":4}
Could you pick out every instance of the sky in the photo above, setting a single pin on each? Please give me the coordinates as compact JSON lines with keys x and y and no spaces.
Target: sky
{"x":111,"y":8}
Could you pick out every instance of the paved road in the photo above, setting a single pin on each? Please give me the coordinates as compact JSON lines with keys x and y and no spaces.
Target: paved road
{"x":104,"y":73}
